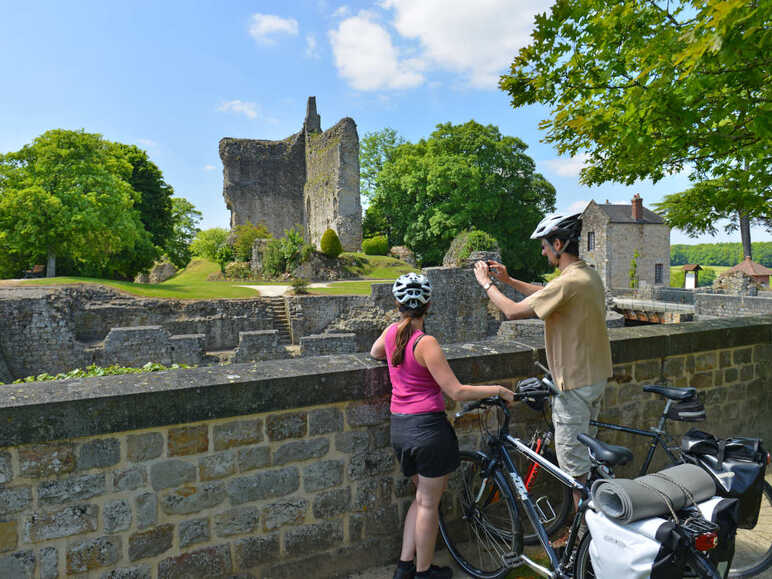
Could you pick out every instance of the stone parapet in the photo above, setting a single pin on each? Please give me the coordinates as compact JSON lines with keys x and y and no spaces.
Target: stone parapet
{"x":284,"y":467}
{"x":325,"y":344}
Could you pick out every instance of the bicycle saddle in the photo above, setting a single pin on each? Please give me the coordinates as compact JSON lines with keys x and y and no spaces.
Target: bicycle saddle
{"x":671,"y":392}
{"x":606,"y":453}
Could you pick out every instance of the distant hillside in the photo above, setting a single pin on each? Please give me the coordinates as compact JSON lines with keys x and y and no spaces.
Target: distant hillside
{"x":728,"y":254}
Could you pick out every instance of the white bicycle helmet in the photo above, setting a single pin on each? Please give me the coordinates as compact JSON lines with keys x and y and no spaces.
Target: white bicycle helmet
{"x":559,"y":225}
{"x":412,"y":290}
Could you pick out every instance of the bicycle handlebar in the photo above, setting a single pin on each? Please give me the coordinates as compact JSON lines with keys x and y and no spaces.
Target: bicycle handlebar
{"x":499,"y":401}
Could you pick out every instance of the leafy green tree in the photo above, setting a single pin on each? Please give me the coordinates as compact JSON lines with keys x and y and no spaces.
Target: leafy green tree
{"x":208,"y":241}
{"x":66,"y":194}
{"x":467,"y":176}
{"x":375,"y":149}
{"x":649,"y":89}
{"x":185,"y":217}
{"x":245,"y":236}
{"x":155,"y":202}
{"x":223,"y":256}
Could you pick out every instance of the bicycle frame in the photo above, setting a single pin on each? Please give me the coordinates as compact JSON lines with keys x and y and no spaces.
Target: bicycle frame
{"x":658,"y":434}
{"x":522,"y":492}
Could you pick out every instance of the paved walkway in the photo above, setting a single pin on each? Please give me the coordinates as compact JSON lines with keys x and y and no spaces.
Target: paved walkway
{"x":269,"y":291}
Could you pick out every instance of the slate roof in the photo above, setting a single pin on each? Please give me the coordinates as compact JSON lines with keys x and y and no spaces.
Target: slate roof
{"x":692,"y":267}
{"x":624,"y":214}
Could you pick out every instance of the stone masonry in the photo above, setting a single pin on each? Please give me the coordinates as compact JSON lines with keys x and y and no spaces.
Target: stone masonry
{"x":309,"y":179}
{"x":285,"y":469}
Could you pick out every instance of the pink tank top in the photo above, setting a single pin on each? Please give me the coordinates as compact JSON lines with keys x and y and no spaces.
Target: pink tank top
{"x":413,"y":390}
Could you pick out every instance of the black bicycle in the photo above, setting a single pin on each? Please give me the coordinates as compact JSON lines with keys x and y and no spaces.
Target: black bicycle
{"x":480,"y":520}
{"x":753,"y":547}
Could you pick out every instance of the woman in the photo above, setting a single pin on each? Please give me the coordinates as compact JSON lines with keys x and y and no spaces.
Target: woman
{"x":422,"y":437}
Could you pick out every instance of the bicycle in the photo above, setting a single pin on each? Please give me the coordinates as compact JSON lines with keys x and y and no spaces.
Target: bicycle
{"x":479,"y":514}
{"x":749,"y":559}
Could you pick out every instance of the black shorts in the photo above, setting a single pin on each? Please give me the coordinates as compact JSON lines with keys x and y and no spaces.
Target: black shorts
{"x":425,"y":444}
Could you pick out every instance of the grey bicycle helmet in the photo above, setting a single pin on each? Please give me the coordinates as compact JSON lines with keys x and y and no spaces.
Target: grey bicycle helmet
{"x":412,"y":290}
{"x":559,"y":225}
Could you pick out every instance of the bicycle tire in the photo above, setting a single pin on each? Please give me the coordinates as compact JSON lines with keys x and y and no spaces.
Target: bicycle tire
{"x":545,"y":486}
{"x":582,"y":563}
{"x":479,"y":522}
{"x":750,"y":559}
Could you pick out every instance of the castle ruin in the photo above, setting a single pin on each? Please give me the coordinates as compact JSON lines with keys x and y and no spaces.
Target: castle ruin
{"x":310,"y":179}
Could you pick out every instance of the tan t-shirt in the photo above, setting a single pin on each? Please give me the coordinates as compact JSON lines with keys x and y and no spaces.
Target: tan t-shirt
{"x":573,"y":307}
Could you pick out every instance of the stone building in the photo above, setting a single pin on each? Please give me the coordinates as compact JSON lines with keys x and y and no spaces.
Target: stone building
{"x":612,"y":233}
{"x":310,"y":179}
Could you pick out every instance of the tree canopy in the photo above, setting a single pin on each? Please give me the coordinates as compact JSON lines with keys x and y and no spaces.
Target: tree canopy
{"x":466,"y":176}
{"x":86,"y":205}
{"x":649,"y":88}
{"x":185,"y":218}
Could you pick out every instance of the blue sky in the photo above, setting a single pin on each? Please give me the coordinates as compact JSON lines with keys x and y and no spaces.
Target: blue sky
{"x":175,"y":77}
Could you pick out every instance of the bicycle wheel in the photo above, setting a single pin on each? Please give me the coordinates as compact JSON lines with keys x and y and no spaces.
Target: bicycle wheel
{"x":478,"y":519}
{"x":583,"y":564}
{"x":753,"y":547}
{"x":551,"y":497}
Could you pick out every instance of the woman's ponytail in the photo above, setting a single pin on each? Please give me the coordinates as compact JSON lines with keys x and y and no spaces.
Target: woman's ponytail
{"x":405,"y":332}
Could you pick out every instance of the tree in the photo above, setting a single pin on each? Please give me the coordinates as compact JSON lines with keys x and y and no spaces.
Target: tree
{"x":155,"y":202}
{"x":245,"y":236}
{"x":208,"y":241}
{"x":465,"y":176}
{"x":375,"y":149}
{"x":651,"y":88}
{"x":185,"y":217}
{"x":66,"y":194}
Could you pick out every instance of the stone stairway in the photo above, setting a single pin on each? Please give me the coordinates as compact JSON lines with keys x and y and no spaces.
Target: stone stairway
{"x":281,"y":319}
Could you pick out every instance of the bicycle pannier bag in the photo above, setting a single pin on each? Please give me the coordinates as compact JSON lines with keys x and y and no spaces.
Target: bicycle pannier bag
{"x":690,"y":410}
{"x":738,"y":466}
{"x":651,"y":547}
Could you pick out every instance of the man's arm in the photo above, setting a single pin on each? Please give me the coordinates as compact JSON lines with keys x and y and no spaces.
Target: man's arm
{"x":511,"y":309}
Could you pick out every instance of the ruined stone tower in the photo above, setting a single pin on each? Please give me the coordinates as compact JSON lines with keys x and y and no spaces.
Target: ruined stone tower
{"x":310,"y":178}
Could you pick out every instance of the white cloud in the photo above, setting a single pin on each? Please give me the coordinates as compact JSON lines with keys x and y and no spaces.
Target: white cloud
{"x":209,"y":167}
{"x":567,"y":167}
{"x":341,"y":12}
{"x":311,"y":47}
{"x":147,"y":142}
{"x":245,"y":108}
{"x":477,"y":39}
{"x":265,"y":27}
{"x":366,"y":57}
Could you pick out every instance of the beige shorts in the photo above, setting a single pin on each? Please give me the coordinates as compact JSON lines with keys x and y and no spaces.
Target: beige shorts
{"x":571,"y":414}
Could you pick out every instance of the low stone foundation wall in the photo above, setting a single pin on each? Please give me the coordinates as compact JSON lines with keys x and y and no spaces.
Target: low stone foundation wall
{"x":324,"y":344}
{"x":283,"y":468}
{"x":721,"y":305}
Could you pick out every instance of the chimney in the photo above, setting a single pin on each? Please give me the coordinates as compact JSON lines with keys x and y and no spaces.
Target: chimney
{"x":637,"y":207}
{"x":313,"y":123}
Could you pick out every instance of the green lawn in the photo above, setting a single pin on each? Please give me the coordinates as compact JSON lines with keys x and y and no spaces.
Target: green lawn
{"x":192,"y":282}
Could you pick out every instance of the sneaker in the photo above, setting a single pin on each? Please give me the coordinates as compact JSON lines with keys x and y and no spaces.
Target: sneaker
{"x":402,"y":573}
{"x":436,"y":572}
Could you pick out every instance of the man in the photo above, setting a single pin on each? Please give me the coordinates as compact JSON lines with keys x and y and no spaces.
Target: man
{"x":573,"y":308}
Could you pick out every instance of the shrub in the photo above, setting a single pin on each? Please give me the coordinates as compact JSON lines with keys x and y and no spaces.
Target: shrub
{"x":285,"y":254}
{"x":378,"y":245}
{"x":330,"y":244}
{"x":299,"y":285}
{"x":207,"y":242}
{"x":223,"y":255}
{"x":245,"y":236}
{"x":238,"y":270}
{"x":478,"y":241}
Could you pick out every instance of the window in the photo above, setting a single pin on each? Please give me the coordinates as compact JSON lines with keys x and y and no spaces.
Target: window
{"x":658,"y":273}
{"x":590,"y":240}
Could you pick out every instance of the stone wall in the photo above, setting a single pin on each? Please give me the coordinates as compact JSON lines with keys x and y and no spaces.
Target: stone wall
{"x":331,"y":192}
{"x":707,"y":304}
{"x":284,"y":469}
{"x":55,"y":330}
{"x":263,"y":181}
{"x":653,"y":244}
{"x":595,"y":220}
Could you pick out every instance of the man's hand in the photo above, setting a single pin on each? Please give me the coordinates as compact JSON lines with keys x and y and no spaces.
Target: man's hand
{"x":481,"y":273}
{"x":498,"y":270}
